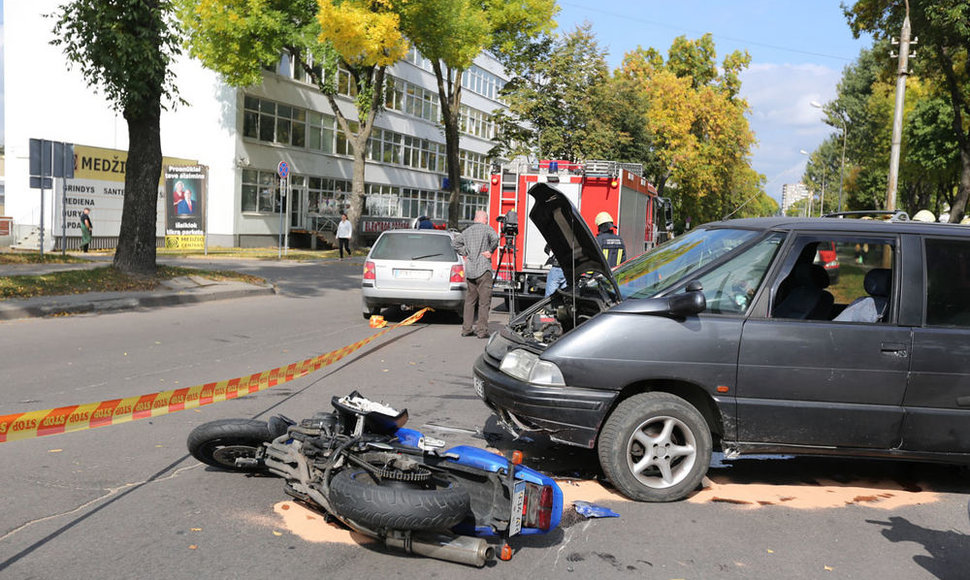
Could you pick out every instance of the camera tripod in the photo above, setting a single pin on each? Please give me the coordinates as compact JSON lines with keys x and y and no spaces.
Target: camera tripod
{"x":506,"y":269}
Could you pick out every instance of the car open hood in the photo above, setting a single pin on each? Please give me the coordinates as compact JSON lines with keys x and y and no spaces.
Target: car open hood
{"x":568,"y":236}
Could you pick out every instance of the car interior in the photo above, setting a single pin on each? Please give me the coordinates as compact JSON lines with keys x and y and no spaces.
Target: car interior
{"x":858,"y":291}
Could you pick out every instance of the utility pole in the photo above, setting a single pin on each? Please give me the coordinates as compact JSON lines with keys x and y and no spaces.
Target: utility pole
{"x":901,"y":74}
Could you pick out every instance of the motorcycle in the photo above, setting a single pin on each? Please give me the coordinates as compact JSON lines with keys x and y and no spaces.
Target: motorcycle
{"x":361,"y":466}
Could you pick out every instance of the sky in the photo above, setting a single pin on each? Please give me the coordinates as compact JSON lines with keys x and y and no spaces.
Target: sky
{"x":798,"y":50}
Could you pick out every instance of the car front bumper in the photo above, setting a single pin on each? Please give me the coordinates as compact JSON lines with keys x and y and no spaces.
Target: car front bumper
{"x":569,"y":415}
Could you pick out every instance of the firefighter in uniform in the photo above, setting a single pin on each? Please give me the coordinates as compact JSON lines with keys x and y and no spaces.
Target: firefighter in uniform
{"x":611,"y":244}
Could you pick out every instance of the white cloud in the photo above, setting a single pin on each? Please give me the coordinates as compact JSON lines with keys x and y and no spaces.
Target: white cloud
{"x":782,"y":118}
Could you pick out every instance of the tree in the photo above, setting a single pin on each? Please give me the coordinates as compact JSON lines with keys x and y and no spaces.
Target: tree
{"x":563,"y":96}
{"x":451,"y":33}
{"x":701,"y":137}
{"x":125,"y":49}
{"x":237,"y":39}
{"x":944,"y":37}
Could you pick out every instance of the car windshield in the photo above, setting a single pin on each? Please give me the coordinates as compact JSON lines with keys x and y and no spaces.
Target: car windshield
{"x":415,"y":247}
{"x":670,"y":262}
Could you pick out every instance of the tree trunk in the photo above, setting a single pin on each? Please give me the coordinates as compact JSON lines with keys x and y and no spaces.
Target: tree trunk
{"x":449,"y":95}
{"x":136,"y":240}
{"x":959,"y":205}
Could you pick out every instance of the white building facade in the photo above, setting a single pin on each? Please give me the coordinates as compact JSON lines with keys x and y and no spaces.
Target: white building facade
{"x":792,"y":193}
{"x":241,"y":135}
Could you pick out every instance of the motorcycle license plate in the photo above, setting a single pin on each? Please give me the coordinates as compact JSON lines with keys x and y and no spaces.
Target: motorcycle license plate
{"x":518,"y":501}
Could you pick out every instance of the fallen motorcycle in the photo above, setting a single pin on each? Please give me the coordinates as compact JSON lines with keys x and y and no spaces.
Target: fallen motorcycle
{"x":360,"y":465}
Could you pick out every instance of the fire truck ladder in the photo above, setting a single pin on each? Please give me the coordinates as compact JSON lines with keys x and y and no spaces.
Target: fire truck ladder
{"x":505,"y":271}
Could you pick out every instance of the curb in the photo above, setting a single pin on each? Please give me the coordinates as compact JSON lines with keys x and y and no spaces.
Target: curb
{"x":80,"y":305}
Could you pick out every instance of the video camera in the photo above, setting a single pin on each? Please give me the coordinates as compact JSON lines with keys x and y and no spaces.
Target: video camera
{"x":510,"y":223}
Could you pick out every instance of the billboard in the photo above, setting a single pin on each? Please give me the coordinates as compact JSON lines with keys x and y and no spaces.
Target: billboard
{"x":185,"y":197}
{"x":99,"y":184}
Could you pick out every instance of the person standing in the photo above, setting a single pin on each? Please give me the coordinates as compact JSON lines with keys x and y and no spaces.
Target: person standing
{"x":344,"y":231}
{"x":476,"y":245}
{"x":555,"y":277}
{"x":611,"y":244}
{"x":86,"y":228}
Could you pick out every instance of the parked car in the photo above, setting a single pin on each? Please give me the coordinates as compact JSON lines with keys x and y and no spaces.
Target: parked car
{"x":413,"y":268}
{"x":730,"y":338}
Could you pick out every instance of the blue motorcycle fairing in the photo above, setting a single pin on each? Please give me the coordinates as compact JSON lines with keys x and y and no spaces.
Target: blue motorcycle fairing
{"x":409,"y":437}
{"x":492,"y":462}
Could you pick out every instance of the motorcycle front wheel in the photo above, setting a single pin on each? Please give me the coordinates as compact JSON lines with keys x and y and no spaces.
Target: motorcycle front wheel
{"x":220,"y":443}
{"x":396,"y":505}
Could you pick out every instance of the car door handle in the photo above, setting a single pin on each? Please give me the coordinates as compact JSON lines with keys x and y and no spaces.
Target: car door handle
{"x":897,"y":349}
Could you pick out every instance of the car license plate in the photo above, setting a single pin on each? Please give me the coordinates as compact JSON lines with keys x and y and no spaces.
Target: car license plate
{"x":479,"y":387}
{"x":412,"y":274}
{"x":518,"y":501}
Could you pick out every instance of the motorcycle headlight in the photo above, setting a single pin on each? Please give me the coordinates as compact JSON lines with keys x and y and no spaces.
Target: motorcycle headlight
{"x":526,"y":366}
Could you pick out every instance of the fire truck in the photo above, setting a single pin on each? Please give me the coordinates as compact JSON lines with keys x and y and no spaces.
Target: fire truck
{"x":642,"y":218}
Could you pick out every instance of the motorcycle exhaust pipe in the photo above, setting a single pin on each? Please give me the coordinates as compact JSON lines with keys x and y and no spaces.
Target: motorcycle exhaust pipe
{"x":459,"y":549}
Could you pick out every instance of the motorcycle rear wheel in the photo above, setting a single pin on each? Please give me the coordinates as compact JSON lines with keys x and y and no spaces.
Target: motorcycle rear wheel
{"x":395,"y":505}
{"x":220,"y":443}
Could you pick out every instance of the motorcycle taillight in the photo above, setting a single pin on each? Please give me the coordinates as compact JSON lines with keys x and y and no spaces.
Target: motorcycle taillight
{"x":537,"y":508}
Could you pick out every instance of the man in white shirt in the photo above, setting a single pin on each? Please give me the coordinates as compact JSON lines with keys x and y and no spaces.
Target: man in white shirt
{"x":344,"y":231}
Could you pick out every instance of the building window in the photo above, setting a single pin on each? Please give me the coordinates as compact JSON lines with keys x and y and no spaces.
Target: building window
{"x":419,"y":202}
{"x":469,"y":204}
{"x":382,"y":200}
{"x":473,"y":165}
{"x":274,"y":122}
{"x":475,"y":122}
{"x":260,"y":191}
{"x":321,"y":132}
{"x":326,"y":196}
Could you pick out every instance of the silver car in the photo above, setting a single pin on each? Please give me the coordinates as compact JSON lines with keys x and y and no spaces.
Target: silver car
{"x":413,"y":268}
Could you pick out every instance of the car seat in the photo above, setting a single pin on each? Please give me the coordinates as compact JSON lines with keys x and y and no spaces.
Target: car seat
{"x":871,"y":308}
{"x":806,"y":297}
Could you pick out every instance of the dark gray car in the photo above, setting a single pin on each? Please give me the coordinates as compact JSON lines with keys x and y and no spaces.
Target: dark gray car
{"x":731,"y":338}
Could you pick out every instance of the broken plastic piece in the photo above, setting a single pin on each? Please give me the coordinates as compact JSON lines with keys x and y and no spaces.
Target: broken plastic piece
{"x":591,"y":510}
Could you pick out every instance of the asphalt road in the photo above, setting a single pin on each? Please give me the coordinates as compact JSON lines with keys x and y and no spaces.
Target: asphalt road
{"x":128,"y":502}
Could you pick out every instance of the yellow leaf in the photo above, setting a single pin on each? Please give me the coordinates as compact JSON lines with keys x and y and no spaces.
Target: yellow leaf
{"x":54,"y":450}
{"x":196,"y":529}
{"x":275,"y":533}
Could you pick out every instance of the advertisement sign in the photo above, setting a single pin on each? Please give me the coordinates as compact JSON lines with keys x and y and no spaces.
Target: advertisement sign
{"x":99,"y":184}
{"x":185,"y":195}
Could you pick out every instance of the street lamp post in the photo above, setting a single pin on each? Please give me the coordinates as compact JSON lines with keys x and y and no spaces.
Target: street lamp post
{"x":845,"y":132}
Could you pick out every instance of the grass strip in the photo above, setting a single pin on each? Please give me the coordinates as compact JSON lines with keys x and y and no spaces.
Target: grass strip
{"x":105,"y":279}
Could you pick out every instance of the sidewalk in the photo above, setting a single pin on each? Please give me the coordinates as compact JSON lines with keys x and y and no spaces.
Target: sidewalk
{"x":181,"y":290}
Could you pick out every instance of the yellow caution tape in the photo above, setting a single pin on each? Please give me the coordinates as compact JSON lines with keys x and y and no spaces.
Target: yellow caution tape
{"x":79,"y":417}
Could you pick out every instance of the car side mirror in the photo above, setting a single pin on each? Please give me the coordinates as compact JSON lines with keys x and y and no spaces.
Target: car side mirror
{"x":691,"y":301}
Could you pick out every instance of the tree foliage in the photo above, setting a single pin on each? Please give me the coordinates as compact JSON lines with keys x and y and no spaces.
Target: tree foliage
{"x":238,"y":38}
{"x":124,"y":49}
{"x":451,"y":33}
{"x":700,"y":130}
{"x":943,"y":28}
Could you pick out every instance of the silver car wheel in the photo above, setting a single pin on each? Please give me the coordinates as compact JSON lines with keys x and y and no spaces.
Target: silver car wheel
{"x":661,"y":452}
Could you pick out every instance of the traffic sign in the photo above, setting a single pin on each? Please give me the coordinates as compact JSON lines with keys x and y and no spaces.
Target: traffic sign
{"x":283,"y":169}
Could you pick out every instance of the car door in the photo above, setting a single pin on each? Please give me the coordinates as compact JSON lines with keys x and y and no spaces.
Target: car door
{"x":937,"y":398}
{"x":822,"y":382}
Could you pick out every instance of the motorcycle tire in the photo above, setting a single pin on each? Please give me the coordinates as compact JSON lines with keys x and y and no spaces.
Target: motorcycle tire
{"x":356,"y":495}
{"x":219,"y":443}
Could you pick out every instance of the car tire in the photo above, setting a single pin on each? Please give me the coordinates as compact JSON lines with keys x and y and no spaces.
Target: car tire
{"x":669,"y":427}
{"x":367,"y":310}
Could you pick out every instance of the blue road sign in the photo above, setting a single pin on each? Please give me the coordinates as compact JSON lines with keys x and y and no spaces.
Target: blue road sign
{"x":283,"y":169}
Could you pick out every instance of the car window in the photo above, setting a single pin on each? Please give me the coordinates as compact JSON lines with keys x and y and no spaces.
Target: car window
{"x":730,"y":287}
{"x":670,"y":262}
{"x":947,"y":282}
{"x":845,"y":280}
{"x":414,"y":247}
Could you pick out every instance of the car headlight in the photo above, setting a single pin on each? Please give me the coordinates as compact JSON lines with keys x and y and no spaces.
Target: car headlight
{"x":526,"y":366}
